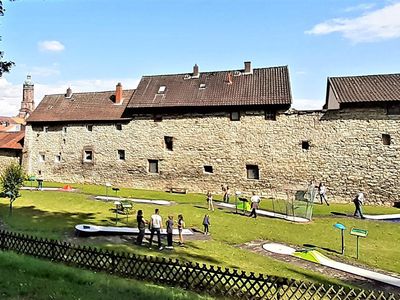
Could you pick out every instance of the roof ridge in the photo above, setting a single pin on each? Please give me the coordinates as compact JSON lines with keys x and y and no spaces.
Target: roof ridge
{"x":221,"y":71}
{"x":99,"y":92}
{"x":363,"y":76}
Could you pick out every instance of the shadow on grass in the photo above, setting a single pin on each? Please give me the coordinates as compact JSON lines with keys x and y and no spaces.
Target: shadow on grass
{"x":311,"y":246}
{"x":339,"y":214}
{"x":30,"y":220}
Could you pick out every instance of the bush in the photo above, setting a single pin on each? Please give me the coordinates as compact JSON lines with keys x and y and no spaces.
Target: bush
{"x":11,"y":181}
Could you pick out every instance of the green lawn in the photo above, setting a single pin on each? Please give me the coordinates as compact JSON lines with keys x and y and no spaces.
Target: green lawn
{"x":24,"y":277}
{"x":54,"y":215}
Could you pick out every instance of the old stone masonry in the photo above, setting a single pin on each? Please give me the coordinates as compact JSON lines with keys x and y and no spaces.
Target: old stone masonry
{"x":199,"y":130}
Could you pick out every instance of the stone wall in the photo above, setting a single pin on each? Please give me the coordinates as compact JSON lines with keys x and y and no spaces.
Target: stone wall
{"x":345,"y":150}
{"x":7,"y":157}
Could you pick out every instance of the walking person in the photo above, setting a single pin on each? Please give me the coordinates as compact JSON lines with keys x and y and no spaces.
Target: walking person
{"x":255,"y":202}
{"x":206,"y":224}
{"x":227,"y":194}
{"x":141,"y":226}
{"x":210,"y":201}
{"x":170,"y":229}
{"x":322,"y":193}
{"x":155,"y":227}
{"x":181,"y":225}
{"x":358,"y":202}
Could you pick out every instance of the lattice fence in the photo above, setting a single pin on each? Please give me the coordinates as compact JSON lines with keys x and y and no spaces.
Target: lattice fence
{"x":191,"y":276}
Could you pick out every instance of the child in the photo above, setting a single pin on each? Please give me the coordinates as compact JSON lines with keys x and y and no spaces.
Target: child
{"x":210,"y":201}
{"x":170,"y":228}
{"x":181,"y":225}
{"x":206,"y":223}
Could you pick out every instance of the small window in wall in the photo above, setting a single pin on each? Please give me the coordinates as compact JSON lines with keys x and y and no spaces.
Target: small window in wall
{"x":157,"y":118}
{"x":169,"y":142}
{"x":252,"y":172}
{"x":118,"y":126}
{"x":42,"y":157}
{"x":45,"y":128}
{"x":386,"y":139}
{"x":64,"y":129}
{"x":153,"y":166}
{"x":305,"y":145}
{"x":121,"y":154}
{"x":57,"y":158}
{"x":235,"y":116}
{"x":64,"y":141}
{"x":208,"y":169}
{"x":89,"y":127}
{"x":393,"y":109}
{"x":161,"y":89}
{"x":88,"y":155}
{"x":270,"y":115}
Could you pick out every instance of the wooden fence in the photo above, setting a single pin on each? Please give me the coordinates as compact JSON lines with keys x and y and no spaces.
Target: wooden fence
{"x":191,"y":276}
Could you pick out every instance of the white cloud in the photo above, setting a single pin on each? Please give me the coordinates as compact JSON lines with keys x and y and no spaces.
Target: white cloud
{"x":44,"y":71}
{"x":307,"y":104}
{"x":381,"y":24}
{"x":11,"y":94}
{"x":51,"y":46}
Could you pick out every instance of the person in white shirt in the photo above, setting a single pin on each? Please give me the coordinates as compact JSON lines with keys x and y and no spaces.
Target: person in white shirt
{"x":255,"y":202}
{"x":155,"y":227}
{"x":358,"y":202}
{"x":322,"y":193}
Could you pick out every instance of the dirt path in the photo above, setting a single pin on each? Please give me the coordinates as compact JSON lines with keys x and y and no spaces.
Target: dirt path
{"x":361,"y":282}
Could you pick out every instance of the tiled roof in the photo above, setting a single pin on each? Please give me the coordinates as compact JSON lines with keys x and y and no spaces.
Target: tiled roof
{"x":265,"y":86}
{"x":93,"y":106}
{"x":11,"y":124}
{"x":11,"y":140}
{"x":369,"y":88}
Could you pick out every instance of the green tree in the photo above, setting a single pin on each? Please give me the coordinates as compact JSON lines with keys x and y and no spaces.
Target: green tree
{"x":5,"y":66}
{"x":11,"y":181}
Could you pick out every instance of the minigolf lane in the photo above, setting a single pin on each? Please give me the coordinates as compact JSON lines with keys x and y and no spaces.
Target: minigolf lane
{"x":317,"y":257}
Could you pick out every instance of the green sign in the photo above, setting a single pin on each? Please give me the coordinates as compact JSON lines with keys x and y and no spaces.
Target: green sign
{"x":359,"y":232}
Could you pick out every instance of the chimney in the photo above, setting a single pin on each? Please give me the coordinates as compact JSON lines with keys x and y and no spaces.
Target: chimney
{"x":247,"y":67}
{"x":68,"y":94}
{"x":229,"y":78}
{"x":195,"y":71}
{"x":118,"y":93}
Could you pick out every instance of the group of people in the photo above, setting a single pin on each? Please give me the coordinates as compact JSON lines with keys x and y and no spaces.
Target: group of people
{"x":155,"y":225}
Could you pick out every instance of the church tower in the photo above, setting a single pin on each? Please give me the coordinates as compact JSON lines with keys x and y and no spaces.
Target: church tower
{"x":27,"y":103}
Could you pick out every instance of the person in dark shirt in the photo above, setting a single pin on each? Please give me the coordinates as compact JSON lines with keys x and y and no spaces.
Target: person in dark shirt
{"x":206,"y":224}
{"x":141,"y":222}
{"x":170,"y":229}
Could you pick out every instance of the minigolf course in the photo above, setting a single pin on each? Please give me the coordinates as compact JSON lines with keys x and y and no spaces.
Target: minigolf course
{"x":266,"y":213}
{"x":383,"y":217}
{"x":317,"y":257}
{"x":145,"y":201}
{"x":88,"y":229}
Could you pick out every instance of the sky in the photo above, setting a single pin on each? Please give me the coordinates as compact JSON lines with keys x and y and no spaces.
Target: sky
{"x":91,"y":45}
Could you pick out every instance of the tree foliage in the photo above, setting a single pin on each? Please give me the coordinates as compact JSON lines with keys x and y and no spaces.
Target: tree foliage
{"x":11,"y":181}
{"x":5,"y":66}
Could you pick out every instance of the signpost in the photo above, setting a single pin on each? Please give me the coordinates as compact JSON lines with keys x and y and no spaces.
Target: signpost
{"x":358,"y":233}
{"x":342,"y":229}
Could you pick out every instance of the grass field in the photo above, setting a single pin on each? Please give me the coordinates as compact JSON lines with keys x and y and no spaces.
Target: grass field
{"x":54,"y":215}
{"x":28,"y":278}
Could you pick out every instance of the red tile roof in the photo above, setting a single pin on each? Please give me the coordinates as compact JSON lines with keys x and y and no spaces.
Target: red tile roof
{"x":370,"y":88}
{"x":93,"y":106}
{"x":265,"y":86}
{"x":12,"y":140}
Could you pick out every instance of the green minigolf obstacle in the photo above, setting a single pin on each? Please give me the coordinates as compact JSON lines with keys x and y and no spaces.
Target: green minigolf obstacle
{"x":244,"y":206}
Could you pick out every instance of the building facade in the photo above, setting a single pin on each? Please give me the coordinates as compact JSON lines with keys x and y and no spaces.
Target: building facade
{"x":199,"y":130}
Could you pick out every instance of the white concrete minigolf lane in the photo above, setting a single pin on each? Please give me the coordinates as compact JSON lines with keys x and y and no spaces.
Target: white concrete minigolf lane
{"x":87,"y":228}
{"x":146,"y":201}
{"x":323,"y":260}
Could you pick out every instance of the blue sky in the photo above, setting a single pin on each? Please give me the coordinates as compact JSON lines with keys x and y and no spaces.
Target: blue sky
{"x":91,"y":45}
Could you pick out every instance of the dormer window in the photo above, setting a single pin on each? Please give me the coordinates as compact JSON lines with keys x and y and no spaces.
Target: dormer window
{"x":202,"y":86}
{"x":161,"y":89}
